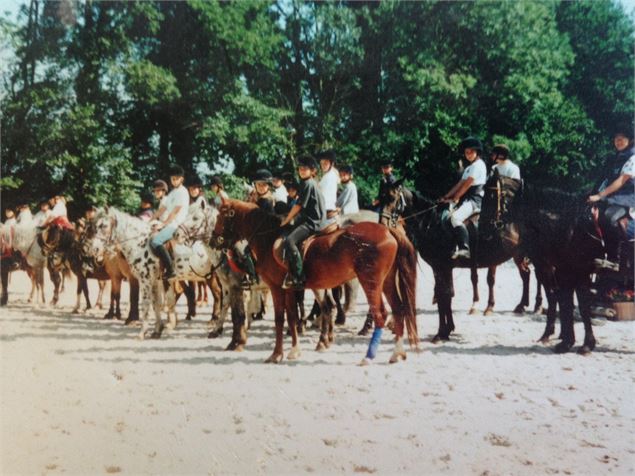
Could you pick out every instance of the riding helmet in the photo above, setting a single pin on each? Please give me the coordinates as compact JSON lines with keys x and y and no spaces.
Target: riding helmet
{"x":307,"y":161}
{"x":501,"y":149}
{"x":625,"y":130}
{"x":195,"y":181}
{"x":471,"y":143}
{"x":263,"y":175}
{"x":146,"y":197}
{"x":216,"y":180}
{"x":386,"y":163}
{"x":327,"y":155}
{"x":160,"y":185}
{"x":347,"y":169}
{"x":176,"y":171}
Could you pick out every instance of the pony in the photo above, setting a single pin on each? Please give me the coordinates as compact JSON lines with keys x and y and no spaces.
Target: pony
{"x":25,"y":241}
{"x":383,"y":260}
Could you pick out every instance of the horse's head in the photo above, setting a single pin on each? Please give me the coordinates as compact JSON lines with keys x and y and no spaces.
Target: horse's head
{"x":394,"y":204}
{"x":99,"y":234}
{"x":199,"y":224}
{"x":223,"y":234}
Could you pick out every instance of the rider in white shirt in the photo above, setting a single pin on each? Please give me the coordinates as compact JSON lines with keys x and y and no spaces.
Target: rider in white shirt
{"x":173,"y":213}
{"x":329,"y":182}
{"x":43,"y":214}
{"x":502,"y":164}
{"x":466,"y":196}
{"x":347,"y":202}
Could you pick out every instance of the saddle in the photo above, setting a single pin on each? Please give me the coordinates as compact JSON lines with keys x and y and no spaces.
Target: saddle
{"x":278,"y":248}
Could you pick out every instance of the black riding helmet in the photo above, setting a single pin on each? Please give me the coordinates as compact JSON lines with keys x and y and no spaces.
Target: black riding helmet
{"x":263,"y":175}
{"x":216,"y":180}
{"x":347,"y":169}
{"x":307,"y":161}
{"x":386,"y":163}
{"x":471,"y":143}
{"x":195,"y":181}
{"x":327,"y":155}
{"x":501,"y":149}
{"x":176,"y":171}
{"x":147,"y":197}
{"x":625,"y":130}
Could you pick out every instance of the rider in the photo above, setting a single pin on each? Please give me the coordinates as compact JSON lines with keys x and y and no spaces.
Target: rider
{"x":280,"y":193}
{"x":90,"y":212}
{"x":145,"y":208}
{"x":262,"y":197}
{"x":311,"y":214}
{"x":58,"y":215}
{"x":617,"y":191}
{"x":195,"y":189}
{"x":502,"y":164}
{"x":175,"y":211}
{"x":160,"y":190}
{"x":387,"y":179}
{"x":218,"y":189}
{"x":42,"y":215}
{"x":8,"y":232}
{"x":466,"y":196}
{"x":329,"y":181}
{"x":347,"y":199}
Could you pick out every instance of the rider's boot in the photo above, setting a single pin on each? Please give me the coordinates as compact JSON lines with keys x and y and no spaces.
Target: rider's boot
{"x":462,"y":237}
{"x":251,"y":277}
{"x":294,"y":278}
{"x":166,"y":260}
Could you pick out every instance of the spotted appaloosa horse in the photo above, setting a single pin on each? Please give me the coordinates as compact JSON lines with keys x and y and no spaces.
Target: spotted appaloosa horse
{"x":383,"y":260}
{"x":132,"y":236}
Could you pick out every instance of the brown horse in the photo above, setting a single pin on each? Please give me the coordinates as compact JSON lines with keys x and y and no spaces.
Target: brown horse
{"x":383,"y":260}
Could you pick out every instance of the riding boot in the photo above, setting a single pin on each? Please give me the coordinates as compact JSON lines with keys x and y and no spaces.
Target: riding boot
{"x":294,"y":278}
{"x":250,"y":277}
{"x":166,"y":260}
{"x":462,"y":237}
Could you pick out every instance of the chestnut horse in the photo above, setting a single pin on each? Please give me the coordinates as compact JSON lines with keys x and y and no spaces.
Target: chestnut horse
{"x":382,"y":259}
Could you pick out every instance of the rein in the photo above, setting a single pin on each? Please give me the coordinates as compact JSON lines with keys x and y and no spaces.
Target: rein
{"x":420,"y":212}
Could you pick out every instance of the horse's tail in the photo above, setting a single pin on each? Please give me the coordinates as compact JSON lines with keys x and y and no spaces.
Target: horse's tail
{"x":406,"y":277}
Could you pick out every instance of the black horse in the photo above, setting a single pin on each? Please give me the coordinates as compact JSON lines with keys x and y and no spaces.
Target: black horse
{"x":494,"y":241}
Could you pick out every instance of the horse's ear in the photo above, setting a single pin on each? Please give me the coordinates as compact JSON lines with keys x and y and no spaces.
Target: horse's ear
{"x":224,"y":201}
{"x":203,"y":204}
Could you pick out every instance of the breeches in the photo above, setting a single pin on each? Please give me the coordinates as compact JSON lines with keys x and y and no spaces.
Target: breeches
{"x":163,"y":236}
{"x":297,"y":236}
{"x":460,"y":214}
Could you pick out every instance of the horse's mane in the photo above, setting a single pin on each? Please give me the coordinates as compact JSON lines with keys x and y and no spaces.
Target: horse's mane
{"x":127,"y":222}
{"x":252,"y":212}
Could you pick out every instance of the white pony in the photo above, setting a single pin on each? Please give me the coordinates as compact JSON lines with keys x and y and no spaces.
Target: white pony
{"x":25,"y":241}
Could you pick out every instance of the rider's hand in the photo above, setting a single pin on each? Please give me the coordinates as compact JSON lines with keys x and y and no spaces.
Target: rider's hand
{"x":594,"y":198}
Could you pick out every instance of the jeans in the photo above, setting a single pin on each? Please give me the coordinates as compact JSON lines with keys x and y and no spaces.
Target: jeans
{"x":163,"y":236}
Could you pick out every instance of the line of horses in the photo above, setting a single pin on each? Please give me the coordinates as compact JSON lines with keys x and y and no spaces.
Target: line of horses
{"x":545,"y":226}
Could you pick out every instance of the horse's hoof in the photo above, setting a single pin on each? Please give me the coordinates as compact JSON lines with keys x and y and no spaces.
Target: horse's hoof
{"x":396,"y":357}
{"x":520,"y":310}
{"x":488,"y":312}
{"x":75,"y":311}
{"x":235,"y":346}
{"x":188,"y":318}
{"x":340,"y":320}
{"x":215,"y":333}
{"x":563,"y":347}
{"x":294,"y":353}
{"x":130,"y":321}
{"x":321,"y":346}
{"x":257,"y":317}
{"x":170,"y":326}
{"x":274,"y":359}
{"x":108,"y":317}
{"x":118,"y":317}
{"x":365,"y":362}
{"x":436,"y":339}
{"x":544,"y":340}
{"x":584,"y":350}
{"x":472,"y":311}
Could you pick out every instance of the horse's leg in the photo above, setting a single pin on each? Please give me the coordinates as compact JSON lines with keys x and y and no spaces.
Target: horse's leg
{"x":372,"y":287}
{"x":100,"y":295}
{"x":133,"y":313}
{"x":475,"y":295}
{"x":84,"y":280}
{"x":146,"y":293}
{"x":222,"y":301}
{"x":545,"y":275}
{"x":4,"y":278}
{"x":398,"y":314}
{"x":525,"y":275}
{"x":157,"y":294}
{"x":40,"y":283}
{"x":299,"y":300}
{"x":350,"y":295}
{"x":584,"y":301}
{"x":56,"y":278}
{"x":340,"y":320}
{"x":236,"y":301}
{"x":279,"y":307}
{"x":565,"y":300}
{"x":322,"y":300}
{"x":217,"y":293}
{"x":491,"y":281}
{"x":538,"y":303}
{"x":190,"y":294}
{"x":78,"y":294}
{"x":292,"y":322}
{"x":444,"y":290}
{"x":171,"y":297}
{"x":115,"y":292}
{"x":315,"y":311}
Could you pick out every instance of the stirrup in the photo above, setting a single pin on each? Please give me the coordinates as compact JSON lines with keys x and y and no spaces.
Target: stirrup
{"x":462,"y":253}
{"x":291,"y":282}
{"x":606,"y":265}
{"x":246,"y":283}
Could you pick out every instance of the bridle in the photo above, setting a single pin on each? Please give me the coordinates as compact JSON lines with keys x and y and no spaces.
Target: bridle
{"x":225,"y":240}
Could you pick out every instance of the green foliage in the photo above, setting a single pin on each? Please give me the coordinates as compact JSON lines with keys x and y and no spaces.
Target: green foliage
{"x":100,"y":98}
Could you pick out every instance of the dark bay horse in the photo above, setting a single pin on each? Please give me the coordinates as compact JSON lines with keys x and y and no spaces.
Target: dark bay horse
{"x":435,"y":244}
{"x":383,"y":260}
{"x":559,"y":234}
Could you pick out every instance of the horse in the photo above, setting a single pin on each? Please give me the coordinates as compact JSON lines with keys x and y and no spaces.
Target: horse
{"x":559,"y":234}
{"x":382,"y":259}
{"x":435,"y":244}
{"x":25,"y":242}
{"x":63,"y":249}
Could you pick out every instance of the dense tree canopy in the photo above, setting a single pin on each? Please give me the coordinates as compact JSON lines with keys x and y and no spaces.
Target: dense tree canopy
{"x":99,"y":98}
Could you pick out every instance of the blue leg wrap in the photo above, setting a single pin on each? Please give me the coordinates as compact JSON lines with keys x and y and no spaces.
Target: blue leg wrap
{"x":374,"y":343}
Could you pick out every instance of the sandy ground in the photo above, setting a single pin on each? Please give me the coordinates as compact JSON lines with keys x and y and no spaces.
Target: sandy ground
{"x":81,"y":396}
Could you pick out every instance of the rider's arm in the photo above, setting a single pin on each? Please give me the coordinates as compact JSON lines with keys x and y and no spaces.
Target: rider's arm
{"x":612,"y":188}
{"x":158,"y":213}
{"x":292,"y":214}
{"x":171,"y":216}
{"x":462,"y":187}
